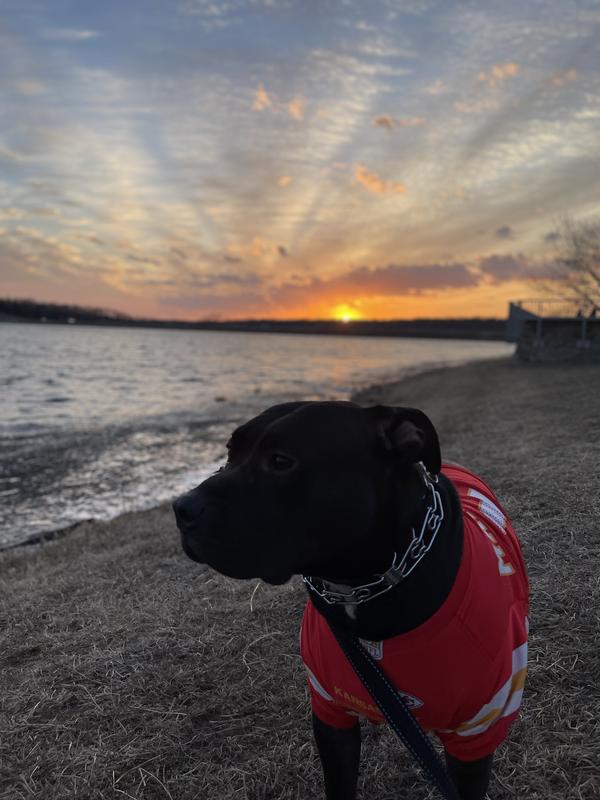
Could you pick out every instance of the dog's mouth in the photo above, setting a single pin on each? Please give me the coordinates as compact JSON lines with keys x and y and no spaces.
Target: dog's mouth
{"x":200,"y":547}
{"x":192,"y":548}
{"x":229,"y":560}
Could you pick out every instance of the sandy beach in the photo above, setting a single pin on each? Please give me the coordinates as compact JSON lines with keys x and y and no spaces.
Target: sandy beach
{"x":130,"y":671}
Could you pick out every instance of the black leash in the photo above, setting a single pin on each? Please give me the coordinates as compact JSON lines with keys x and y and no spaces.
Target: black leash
{"x":397,"y":713}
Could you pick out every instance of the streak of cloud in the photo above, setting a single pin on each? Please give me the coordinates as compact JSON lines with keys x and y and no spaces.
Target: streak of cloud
{"x":69,"y":35}
{"x":261,"y":100}
{"x":505,"y":268}
{"x":499,"y":73}
{"x":373,"y":183}
{"x":505,"y":232}
{"x":296,"y":108}
{"x":564,"y":78}
{"x":385,"y":121}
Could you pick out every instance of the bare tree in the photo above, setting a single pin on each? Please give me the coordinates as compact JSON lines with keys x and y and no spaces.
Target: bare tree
{"x":578,"y":257}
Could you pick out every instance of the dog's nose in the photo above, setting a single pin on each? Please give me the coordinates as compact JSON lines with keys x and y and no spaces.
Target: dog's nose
{"x":188,"y":507}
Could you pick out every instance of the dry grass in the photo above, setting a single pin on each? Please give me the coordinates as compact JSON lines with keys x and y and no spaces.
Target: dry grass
{"x":130,"y":672}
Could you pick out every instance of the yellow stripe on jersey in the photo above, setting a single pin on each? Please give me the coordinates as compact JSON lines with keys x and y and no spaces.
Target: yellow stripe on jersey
{"x":506,"y":700}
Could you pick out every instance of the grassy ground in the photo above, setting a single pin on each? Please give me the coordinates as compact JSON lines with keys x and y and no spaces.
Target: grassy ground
{"x":129,"y":671}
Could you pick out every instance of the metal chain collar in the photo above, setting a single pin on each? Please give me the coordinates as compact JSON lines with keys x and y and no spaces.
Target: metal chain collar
{"x":400,"y":568}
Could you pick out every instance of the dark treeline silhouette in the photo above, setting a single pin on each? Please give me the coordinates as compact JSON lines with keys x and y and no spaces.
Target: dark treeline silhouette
{"x":34,"y":311}
{"x":16,"y":310}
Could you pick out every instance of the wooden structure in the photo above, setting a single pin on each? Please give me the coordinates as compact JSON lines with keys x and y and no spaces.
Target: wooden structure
{"x":554,"y":330}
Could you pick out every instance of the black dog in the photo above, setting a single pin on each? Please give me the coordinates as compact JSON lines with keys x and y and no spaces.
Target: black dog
{"x":422,"y":564}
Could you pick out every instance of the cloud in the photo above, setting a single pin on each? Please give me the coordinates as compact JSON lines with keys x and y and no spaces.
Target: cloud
{"x":385,"y":121}
{"x":384,"y":47}
{"x":500,"y":268}
{"x":250,"y":294}
{"x":499,"y":73}
{"x":390,"y":280}
{"x":282,"y":251}
{"x":9,"y":154}
{"x":296,"y":108}
{"x":220,"y":294}
{"x":505,"y":232}
{"x":373,"y":183}
{"x":69,"y":34}
{"x":563,"y":78}
{"x":363,"y":25}
{"x":410,"y":122}
{"x":30,"y":87}
{"x":436,"y":88}
{"x":142,"y":259}
{"x":552,"y":236}
{"x":508,"y":267}
{"x":217,"y":14}
{"x":261,"y":99}
{"x":284,"y":181}
{"x":257,"y":247}
{"x":398,"y":279}
{"x":480,"y":105}
{"x":201,"y":281}
{"x":12,"y":213}
{"x":212,"y":305}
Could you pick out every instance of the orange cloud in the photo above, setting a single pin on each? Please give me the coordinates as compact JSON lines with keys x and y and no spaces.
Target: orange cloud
{"x":565,"y":77}
{"x":358,"y":285}
{"x":410,"y":122}
{"x":284,"y":181}
{"x":373,"y":183}
{"x":385,"y":121}
{"x":257,"y":248}
{"x":261,"y":99}
{"x":296,"y":108}
{"x":499,"y":73}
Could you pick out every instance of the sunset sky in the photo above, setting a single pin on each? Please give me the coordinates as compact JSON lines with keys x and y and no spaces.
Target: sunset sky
{"x":286,"y":158}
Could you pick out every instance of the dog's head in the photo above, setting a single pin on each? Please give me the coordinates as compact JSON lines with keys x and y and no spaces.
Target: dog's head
{"x":307,"y":488}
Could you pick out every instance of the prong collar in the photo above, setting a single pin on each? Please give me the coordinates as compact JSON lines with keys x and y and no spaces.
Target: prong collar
{"x":401,"y":566}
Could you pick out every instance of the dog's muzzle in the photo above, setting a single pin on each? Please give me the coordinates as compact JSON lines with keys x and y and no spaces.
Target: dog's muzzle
{"x":195,"y":516}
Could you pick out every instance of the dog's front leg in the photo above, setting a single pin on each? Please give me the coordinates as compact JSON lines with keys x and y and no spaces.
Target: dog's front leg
{"x":339,"y":749}
{"x":471,"y":778}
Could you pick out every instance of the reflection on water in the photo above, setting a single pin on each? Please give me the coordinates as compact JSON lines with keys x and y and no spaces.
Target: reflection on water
{"x":95,"y":421}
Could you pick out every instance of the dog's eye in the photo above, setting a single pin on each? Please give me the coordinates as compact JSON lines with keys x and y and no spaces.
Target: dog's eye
{"x":279,"y":462}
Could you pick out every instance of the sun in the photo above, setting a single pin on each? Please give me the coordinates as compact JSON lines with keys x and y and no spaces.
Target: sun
{"x":345,"y":313}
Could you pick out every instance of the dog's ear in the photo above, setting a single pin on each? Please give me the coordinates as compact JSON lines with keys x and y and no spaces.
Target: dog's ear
{"x":410,"y":434}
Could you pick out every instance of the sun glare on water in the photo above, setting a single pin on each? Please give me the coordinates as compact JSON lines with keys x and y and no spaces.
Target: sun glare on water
{"x":345,"y":313}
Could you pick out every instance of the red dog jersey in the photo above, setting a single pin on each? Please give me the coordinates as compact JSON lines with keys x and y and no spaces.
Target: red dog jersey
{"x":462,"y":671}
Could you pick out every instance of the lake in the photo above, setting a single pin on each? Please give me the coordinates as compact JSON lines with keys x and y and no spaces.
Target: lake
{"x":95,"y":421}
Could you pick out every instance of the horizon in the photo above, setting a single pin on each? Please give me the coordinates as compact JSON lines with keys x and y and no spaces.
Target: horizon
{"x":108,"y":313}
{"x":263,"y":159}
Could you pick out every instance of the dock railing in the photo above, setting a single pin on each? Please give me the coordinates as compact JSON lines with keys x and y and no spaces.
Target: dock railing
{"x":555,"y":308}
{"x":549,"y":310}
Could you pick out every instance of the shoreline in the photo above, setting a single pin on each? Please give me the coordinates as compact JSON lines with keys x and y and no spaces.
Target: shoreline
{"x":132,"y":666}
{"x":357,"y":394}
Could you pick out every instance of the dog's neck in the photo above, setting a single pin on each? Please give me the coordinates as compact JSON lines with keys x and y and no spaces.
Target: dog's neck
{"x":417,"y":596}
